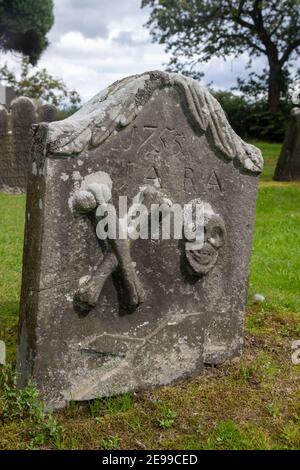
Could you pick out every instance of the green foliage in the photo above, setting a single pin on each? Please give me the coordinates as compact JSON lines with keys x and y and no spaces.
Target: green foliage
{"x":39,"y":84}
{"x":236,"y":109}
{"x":24,"y":404}
{"x":111,"y":443}
{"x":273,"y":409}
{"x":17,"y":403}
{"x":196,"y":31}
{"x":261,"y":123}
{"x":262,"y":369}
{"x":118,"y":404}
{"x":228,"y":435}
{"x":291,"y":435}
{"x":164,"y":415}
{"x":24,"y":25}
{"x":166,"y":421}
{"x":251,"y":119}
{"x":47,"y":430}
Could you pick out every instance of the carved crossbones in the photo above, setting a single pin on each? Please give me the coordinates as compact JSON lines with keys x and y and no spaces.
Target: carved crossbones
{"x":118,"y":256}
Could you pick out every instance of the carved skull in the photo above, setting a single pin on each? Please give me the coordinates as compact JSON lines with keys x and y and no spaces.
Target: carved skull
{"x":202,"y":260}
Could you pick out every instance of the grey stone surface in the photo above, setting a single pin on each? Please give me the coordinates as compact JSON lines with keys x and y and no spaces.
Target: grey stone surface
{"x":15,"y":141}
{"x":100,"y":319}
{"x":288,"y":165}
{"x":2,"y":353}
{"x":7,"y":95}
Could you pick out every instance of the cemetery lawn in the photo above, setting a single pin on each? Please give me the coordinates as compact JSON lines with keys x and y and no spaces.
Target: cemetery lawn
{"x":250,"y":403}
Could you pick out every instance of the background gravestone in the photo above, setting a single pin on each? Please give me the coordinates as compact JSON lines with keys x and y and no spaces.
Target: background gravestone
{"x":167,"y":133}
{"x":288,"y":165}
{"x":47,"y":113}
{"x":16,"y":139}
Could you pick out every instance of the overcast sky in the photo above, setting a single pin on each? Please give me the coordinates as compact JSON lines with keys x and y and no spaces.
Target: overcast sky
{"x":95,"y":42}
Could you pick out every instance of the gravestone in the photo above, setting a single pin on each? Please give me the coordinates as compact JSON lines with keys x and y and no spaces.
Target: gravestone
{"x":288,"y":165}
{"x":47,"y":113}
{"x":15,"y":141}
{"x":98,"y":317}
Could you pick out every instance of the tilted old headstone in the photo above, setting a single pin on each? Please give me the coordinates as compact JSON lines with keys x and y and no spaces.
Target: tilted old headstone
{"x":288,"y":165}
{"x":16,"y":139}
{"x":103,"y":317}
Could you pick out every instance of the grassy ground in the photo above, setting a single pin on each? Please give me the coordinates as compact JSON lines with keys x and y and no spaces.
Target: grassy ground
{"x":251,"y":403}
{"x":270,"y":153}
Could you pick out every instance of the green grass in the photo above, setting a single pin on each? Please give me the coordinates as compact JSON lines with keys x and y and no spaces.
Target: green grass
{"x":270,"y":153}
{"x":251,"y":403}
{"x":12,"y":213}
{"x":275,"y":266}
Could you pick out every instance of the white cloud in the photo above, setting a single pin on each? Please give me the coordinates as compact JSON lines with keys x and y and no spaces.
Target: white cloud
{"x":89,"y":60}
{"x":95,"y":42}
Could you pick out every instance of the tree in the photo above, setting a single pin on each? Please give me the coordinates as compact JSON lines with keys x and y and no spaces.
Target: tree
{"x":196,"y":30}
{"x":24,"y":25}
{"x":39,"y":84}
{"x":255,"y":87}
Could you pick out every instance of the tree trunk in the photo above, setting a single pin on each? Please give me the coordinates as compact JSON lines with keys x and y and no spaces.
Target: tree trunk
{"x":274,"y":88}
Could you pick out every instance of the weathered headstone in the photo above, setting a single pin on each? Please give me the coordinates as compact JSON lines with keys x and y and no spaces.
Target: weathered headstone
{"x":101,"y":318}
{"x":16,"y":139}
{"x":288,"y":165}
